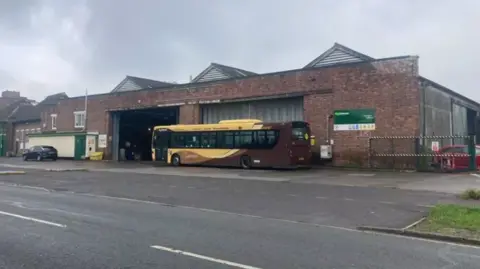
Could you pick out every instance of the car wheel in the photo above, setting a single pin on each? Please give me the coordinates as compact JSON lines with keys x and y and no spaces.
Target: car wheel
{"x":246,"y":162}
{"x":176,"y":160}
{"x":39,"y":158}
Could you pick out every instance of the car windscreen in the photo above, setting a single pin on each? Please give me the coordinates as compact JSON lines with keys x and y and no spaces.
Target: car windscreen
{"x":48,"y":148}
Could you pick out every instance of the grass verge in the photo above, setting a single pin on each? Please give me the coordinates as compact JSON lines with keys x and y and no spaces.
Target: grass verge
{"x":470,"y":194}
{"x":452,"y":220}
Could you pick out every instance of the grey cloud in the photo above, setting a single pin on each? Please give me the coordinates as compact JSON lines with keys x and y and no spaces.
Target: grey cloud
{"x":170,"y":40}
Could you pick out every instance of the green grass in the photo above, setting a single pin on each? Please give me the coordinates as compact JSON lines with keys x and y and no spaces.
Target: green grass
{"x":452,"y":220}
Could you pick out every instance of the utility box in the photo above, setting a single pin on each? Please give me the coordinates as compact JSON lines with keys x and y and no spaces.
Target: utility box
{"x":326,"y":152}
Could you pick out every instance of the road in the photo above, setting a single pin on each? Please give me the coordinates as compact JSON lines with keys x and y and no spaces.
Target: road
{"x":42,"y":229}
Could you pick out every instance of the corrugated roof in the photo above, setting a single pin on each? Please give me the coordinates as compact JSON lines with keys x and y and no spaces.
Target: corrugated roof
{"x":225,"y":70}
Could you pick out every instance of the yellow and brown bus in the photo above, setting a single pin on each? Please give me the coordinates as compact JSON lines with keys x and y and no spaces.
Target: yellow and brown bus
{"x":246,"y":143}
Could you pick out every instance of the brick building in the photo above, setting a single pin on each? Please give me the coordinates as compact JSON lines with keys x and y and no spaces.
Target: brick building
{"x":405,"y":103}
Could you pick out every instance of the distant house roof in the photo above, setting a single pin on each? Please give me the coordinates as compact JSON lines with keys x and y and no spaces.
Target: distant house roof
{"x":25,"y":112}
{"x":219,"y":71}
{"x":5,"y":112}
{"x":131,"y":83}
{"x":53,"y":99}
{"x":337,"y":54}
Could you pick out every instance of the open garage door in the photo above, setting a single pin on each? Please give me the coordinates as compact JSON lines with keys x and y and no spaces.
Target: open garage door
{"x":132,"y":131}
{"x":273,"y":110}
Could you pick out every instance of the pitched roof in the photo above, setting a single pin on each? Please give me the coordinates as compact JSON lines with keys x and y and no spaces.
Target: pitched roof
{"x":337,"y":54}
{"x":139,"y":83}
{"x":219,"y":71}
{"x":53,"y":99}
{"x":25,"y":112}
{"x":5,"y":112}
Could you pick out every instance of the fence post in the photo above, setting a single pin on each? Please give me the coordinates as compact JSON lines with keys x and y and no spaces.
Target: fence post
{"x":369,"y":152}
{"x":417,"y":154}
{"x":472,"y":152}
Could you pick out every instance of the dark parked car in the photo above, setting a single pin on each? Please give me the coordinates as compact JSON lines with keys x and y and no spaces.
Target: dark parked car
{"x":40,"y":153}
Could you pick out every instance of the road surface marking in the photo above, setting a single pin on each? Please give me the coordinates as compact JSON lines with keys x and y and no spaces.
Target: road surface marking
{"x":293,"y":195}
{"x":361,"y":175}
{"x":321,"y":197}
{"x":475,"y":175}
{"x":191,"y":187}
{"x":348,"y":199}
{"x":23,"y":186}
{"x":387,"y":202}
{"x":414,"y":224}
{"x":33,"y":219}
{"x":185,"y":253}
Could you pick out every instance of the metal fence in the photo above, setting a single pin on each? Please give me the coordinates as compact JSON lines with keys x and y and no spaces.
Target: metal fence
{"x":421,"y":153}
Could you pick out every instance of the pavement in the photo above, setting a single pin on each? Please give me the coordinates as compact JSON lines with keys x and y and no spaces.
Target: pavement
{"x":435,"y":182}
{"x":42,"y":229}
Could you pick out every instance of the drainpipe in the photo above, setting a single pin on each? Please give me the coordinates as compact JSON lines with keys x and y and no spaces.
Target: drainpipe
{"x":327,"y":125}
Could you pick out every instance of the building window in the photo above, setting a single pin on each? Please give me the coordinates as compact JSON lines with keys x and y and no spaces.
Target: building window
{"x":54,"y":121}
{"x":79,"y":119}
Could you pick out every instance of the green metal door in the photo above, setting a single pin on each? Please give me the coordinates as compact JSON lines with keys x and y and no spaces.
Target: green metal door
{"x":80,"y":145}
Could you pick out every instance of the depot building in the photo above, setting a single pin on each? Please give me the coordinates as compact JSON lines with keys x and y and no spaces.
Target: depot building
{"x":331,"y":92}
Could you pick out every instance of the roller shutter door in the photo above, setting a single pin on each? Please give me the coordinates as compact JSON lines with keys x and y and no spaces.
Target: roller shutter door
{"x":277,"y":110}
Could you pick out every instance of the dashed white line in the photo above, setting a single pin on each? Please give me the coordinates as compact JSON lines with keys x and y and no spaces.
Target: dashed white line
{"x":33,"y":219}
{"x":293,"y":195}
{"x":387,"y":202}
{"x":348,"y":199}
{"x":206,"y":258}
{"x":475,"y":175}
{"x":321,"y":197}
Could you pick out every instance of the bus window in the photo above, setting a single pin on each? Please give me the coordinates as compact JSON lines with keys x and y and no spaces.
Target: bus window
{"x":271,"y":138}
{"x":209,"y":140}
{"x":225,"y":140}
{"x":300,"y":131}
{"x":178,"y":140}
{"x":192,"y":140}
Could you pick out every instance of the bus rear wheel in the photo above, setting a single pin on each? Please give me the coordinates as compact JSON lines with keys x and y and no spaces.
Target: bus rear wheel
{"x":246,"y":162}
{"x":175,"y":160}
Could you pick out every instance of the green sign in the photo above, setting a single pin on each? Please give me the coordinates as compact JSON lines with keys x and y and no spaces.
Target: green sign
{"x":354,"y":120}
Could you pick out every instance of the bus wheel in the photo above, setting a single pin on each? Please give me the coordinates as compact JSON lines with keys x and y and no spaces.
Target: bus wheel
{"x":175,"y":160}
{"x":246,"y":162}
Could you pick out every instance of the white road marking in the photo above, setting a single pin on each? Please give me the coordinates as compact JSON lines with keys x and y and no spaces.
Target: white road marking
{"x":23,"y":186}
{"x":475,"y":175}
{"x":361,"y":175}
{"x":293,"y":195}
{"x":191,"y":187}
{"x":414,"y":224}
{"x":321,"y":197}
{"x":348,"y":199}
{"x":387,"y":202}
{"x":202,"y":257}
{"x":33,"y":219}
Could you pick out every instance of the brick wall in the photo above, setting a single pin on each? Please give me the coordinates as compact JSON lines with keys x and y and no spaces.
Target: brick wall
{"x":389,"y":85}
{"x":20,"y":134}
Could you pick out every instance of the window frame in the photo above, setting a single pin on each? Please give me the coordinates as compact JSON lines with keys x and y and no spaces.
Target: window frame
{"x":79,"y":113}
{"x":53,"y":118}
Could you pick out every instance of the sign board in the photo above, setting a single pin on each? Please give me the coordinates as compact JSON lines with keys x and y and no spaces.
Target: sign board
{"x":102,"y":141}
{"x":435,"y":146}
{"x":354,"y":120}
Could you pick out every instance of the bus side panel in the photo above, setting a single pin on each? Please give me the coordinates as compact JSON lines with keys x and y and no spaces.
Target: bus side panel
{"x":199,"y":156}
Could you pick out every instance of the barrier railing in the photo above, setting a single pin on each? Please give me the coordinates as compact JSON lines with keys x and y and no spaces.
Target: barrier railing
{"x":422,"y":153}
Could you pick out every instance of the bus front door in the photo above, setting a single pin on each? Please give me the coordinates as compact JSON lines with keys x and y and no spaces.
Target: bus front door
{"x":161,"y":147}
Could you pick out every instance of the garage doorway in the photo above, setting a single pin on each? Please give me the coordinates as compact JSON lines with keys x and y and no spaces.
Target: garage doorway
{"x":133,"y":131}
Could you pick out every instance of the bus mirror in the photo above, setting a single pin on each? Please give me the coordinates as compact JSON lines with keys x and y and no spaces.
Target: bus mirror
{"x":312,"y":140}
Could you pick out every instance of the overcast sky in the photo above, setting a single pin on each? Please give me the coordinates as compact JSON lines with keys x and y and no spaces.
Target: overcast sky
{"x":50,"y":46}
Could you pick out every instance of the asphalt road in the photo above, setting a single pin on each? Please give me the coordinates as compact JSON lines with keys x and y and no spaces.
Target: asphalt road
{"x":311,"y":203}
{"x":42,"y":229}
